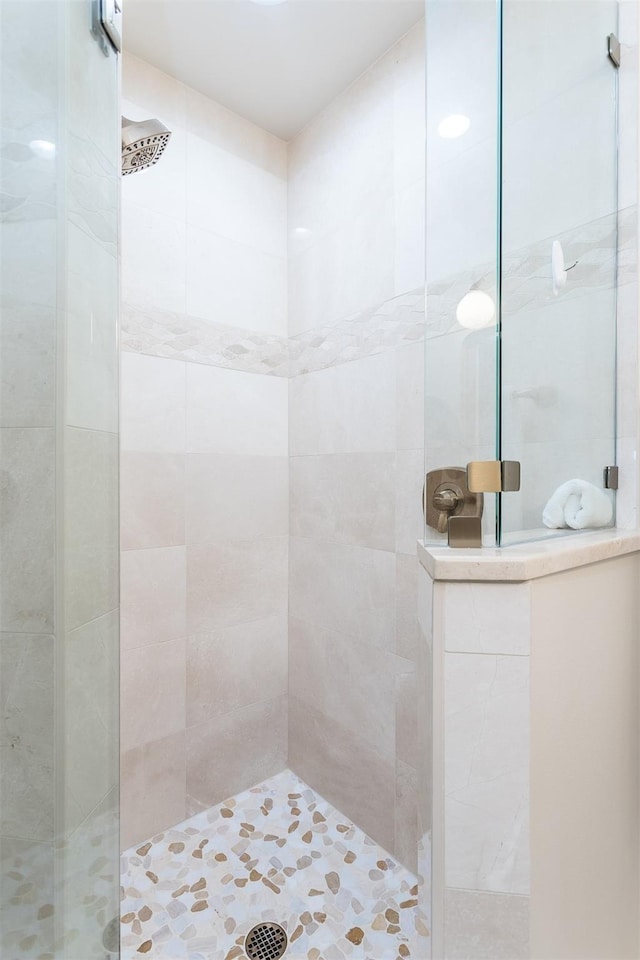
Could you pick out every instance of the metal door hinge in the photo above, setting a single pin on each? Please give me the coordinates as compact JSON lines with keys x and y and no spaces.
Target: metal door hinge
{"x":107,"y":25}
{"x":493,"y":476}
{"x":611,"y":477}
{"x":613,"y":50}
{"x":465,"y":532}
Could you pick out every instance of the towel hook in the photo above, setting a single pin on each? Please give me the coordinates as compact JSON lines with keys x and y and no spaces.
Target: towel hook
{"x":558,"y":269}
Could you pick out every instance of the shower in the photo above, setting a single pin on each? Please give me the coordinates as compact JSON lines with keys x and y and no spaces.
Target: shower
{"x":253,"y":707}
{"x":143,"y":143}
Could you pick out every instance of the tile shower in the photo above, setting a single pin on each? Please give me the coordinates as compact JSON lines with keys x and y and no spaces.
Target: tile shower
{"x":270,"y":502}
{"x":301,"y":697}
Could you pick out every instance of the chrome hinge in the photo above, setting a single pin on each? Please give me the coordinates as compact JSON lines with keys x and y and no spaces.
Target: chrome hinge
{"x":107,"y":25}
{"x":611,"y":477}
{"x":493,"y":476}
{"x":613,"y":50}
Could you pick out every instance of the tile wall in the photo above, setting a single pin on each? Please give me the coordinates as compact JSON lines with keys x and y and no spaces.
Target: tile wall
{"x":204,"y":471}
{"x":529,"y":754}
{"x":356,"y":254}
{"x":272,"y":382}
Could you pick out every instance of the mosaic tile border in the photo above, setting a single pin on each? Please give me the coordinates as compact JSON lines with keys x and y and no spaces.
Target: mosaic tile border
{"x":277,"y":852}
{"x":181,"y":337}
{"x":396,"y":322}
{"x":527,"y":272}
{"x":175,"y":336}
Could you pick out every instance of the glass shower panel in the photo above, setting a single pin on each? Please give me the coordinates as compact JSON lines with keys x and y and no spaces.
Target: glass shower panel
{"x":461,"y":253}
{"x":88,"y":543}
{"x":29,"y":65}
{"x":559,"y":206}
{"x":59,"y":164}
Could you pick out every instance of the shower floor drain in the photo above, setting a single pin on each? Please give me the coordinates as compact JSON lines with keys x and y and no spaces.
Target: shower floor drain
{"x":266,"y":941}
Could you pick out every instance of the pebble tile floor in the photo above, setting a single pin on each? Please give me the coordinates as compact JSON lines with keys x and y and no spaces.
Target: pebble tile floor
{"x":30,"y":887}
{"x":277,"y":852}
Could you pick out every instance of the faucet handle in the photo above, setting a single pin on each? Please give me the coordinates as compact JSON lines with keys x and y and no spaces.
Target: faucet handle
{"x":445,"y":501}
{"x":447,"y":497}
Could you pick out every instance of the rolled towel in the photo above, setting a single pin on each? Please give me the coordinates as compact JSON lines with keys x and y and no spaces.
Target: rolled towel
{"x":578,"y":504}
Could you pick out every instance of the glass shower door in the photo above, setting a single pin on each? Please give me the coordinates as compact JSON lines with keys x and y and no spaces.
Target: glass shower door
{"x":559,"y":232}
{"x":59,"y":165}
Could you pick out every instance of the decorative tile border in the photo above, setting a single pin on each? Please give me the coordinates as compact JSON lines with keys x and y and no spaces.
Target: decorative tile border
{"x":159,"y":333}
{"x":181,"y":337}
{"x":401,"y":320}
{"x":277,"y":852}
{"x":527,"y":272}
{"x":393,"y":324}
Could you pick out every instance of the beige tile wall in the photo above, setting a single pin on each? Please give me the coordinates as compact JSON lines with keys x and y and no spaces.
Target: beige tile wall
{"x":204,"y":592}
{"x":236,"y":640}
{"x":204,"y":475}
{"x":355,"y":517}
{"x":356,"y":452}
{"x":535,"y":739}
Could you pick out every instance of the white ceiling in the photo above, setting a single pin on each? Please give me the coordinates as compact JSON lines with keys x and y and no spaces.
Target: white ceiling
{"x":276,"y":65}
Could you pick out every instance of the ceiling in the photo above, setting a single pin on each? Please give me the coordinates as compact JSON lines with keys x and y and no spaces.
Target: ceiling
{"x":277,"y":65}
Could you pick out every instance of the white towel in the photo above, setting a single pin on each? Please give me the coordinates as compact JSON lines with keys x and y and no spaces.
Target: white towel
{"x":578,"y":504}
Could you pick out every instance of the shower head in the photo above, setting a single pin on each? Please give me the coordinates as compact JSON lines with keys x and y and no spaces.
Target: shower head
{"x":143,"y":143}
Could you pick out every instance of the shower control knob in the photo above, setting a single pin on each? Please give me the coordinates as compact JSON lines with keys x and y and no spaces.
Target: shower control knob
{"x":446,"y":497}
{"x":445,"y":501}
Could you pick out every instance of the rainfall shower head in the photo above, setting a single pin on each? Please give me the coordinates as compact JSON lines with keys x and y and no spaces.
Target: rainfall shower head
{"x":143,"y":143}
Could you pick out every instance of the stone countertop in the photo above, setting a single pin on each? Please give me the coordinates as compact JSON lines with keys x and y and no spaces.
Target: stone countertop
{"x":526,"y":561}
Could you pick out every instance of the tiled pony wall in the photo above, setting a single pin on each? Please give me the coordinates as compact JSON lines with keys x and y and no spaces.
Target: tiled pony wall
{"x":506,"y":653}
{"x":272,"y":424}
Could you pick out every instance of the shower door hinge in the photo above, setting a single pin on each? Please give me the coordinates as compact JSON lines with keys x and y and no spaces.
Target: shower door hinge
{"x":613,"y":50}
{"x":107,"y":25}
{"x":611,"y":478}
{"x":493,"y":476}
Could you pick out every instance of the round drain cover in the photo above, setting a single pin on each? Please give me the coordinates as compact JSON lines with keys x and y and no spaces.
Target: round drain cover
{"x":266,"y":941}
